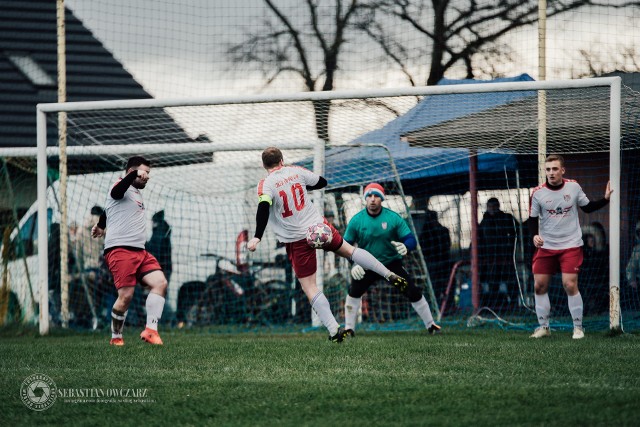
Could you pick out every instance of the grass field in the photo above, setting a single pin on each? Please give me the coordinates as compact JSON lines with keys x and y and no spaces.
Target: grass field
{"x":475,"y":377}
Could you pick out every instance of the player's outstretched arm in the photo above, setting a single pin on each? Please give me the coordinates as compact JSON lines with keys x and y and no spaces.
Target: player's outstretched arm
{"x":98,"y":230}
{"x":262,"y":218}
{"x":594,"y":206}
{"x":608,"y":191}
{"x":322,"y":182}
{"x":118,"y":190}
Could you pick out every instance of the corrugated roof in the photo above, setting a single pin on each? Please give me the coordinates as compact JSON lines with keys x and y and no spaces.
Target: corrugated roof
{"x":28,"y":28}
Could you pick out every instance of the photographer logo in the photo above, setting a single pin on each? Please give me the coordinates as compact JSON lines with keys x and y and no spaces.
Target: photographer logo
{"x":38,"y":392}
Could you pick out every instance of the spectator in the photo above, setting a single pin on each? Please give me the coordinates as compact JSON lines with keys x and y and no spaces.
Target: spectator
{"x":88,"y":249}
{"x":160,"y":243}
{"x":435,"y":242}
{"x":595,"y":269}
{"x":496,"y":240}
{"x":91,"y":264}
{"x":55,"y":278}
{"x":633,"y":266}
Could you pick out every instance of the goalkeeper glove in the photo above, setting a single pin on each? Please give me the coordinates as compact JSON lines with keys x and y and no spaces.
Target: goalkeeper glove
{"x":357,"y":272}
{"x":400,"y":248}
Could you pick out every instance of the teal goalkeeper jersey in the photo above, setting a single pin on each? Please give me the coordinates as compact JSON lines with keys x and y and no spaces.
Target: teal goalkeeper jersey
{"x":374,"y":234}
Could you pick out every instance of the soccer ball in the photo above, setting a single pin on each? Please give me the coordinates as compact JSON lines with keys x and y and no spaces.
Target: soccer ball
{"x":319,"y":235}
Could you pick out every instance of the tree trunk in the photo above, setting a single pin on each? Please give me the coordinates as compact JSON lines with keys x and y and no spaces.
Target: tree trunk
{"x":436,"y":71}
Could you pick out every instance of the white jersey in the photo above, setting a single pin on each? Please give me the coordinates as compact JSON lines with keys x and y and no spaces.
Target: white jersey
{"x":126,"y":220}
{"x":291,"y":213}
{"x":558,"y":213}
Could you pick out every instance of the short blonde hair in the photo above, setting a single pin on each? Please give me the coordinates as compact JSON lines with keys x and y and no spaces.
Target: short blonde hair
{"x":555,"y":157}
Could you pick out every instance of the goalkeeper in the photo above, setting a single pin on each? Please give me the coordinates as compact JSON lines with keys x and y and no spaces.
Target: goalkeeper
{"x":384,"y":234}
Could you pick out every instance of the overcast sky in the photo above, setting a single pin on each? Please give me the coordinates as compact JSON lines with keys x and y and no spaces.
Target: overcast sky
{"x":177,"y":48}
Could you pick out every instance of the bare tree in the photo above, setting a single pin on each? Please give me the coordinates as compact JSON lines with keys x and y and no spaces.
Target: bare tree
{"x":309,"y":48}
{"x":456,"y":31}
{"x":624,"y":59}
{"x":309,"y":37}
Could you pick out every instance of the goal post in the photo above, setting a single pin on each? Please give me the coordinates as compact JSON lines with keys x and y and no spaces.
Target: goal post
{"x":430,"y":149}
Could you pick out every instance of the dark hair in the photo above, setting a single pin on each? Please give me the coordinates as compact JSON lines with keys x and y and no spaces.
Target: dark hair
{"x":97,"y":210}
{"x":493,"y":201}
{"x":137,"y":161}
{"x":271,"y":156}
{"x":555,"y":157}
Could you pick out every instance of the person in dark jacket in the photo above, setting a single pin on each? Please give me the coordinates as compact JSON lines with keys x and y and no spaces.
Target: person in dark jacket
{"x":496,"y":240}
{"x":435,"y":242}
{"x":160,"y":243}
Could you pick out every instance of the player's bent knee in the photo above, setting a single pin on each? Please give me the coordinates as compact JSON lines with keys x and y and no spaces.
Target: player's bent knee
{"x":413,"y":293}
{"x":125,"y":295}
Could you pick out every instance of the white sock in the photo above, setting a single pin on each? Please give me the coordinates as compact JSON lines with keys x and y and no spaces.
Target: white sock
{"x":321,"y":306}
{"x":351,"y":307}
{"x":576,"y":309}
{"x":367,"y":261}
{"x":543,"y":309}
{"x":155,"y":305}
{"x":117,"y":323}
{"x":422,"y":308}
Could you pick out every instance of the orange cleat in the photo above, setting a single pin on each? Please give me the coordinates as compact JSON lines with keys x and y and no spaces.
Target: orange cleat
{"x":116,"y":341}
{"x":151,"y":336}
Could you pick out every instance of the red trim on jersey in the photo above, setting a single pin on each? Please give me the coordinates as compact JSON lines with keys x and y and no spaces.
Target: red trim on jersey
{"x":531,"y":196}
{"x":275,"y":169}
{"x":288,"y":166}
{"x":260,"y":187}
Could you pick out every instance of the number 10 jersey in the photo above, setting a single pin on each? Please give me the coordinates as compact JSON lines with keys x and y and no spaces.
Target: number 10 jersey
{"x":292,"y":212}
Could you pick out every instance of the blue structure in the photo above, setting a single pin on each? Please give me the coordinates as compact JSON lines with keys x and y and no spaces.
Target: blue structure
{"x":348,"y":166}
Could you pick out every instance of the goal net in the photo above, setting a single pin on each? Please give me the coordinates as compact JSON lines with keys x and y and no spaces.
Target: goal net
{"x":458,"y":162}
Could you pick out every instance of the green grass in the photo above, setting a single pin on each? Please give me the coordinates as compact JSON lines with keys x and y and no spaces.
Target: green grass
{"x":475,"y":377}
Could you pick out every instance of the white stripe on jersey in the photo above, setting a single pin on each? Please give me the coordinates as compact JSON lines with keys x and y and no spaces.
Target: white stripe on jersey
{"x":292,"y":211}
{"x":558,"y":213}
{"x":126,"y":220}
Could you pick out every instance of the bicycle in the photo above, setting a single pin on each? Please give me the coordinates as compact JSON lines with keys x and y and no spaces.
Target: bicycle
{"x":233,"y":294}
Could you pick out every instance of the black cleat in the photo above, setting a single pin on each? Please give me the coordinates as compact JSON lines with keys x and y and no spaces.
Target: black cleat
{"x":349,"y":333}
{"x":338,"y":337}
{"x":398,"y":282}
{"x":433,"y":329}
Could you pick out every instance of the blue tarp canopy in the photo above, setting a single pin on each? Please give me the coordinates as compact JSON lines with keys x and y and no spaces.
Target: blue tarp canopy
{"x":352,"y":165}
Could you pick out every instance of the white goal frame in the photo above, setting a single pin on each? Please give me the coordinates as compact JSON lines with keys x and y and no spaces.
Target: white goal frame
{"x":614,"y":83}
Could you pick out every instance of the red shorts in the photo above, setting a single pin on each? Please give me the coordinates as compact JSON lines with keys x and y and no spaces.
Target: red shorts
{"x":128,"y":267}
{"x":551,"y":261}
{"x":303,"y":256}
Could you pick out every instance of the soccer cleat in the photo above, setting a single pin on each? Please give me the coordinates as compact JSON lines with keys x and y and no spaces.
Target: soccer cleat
{"x":578,"y":333}
{"x":398,"y":282}
{"x":541,"y":332}
{"x":116,"y":341}
{"x":349,"y":333}
{"x":338,"y":337}
{"x":434,"y":329}
{"x":151,"y":336}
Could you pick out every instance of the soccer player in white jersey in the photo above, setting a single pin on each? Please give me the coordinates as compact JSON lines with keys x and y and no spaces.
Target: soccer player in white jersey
{"x":124,"y":224}
{"x":284,"y":201}
{"x":558,"y":240}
